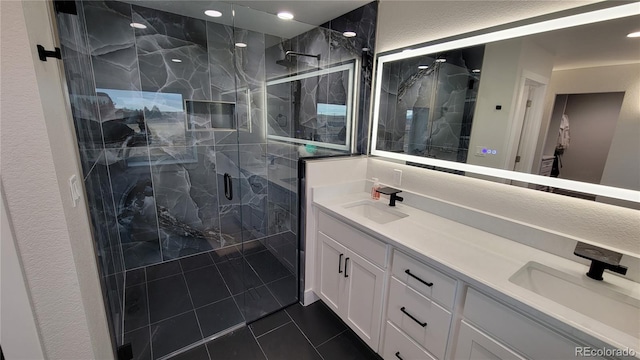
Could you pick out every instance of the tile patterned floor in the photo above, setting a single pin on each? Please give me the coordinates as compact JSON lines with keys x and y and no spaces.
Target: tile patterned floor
{"x":174,"y":304}
{"x":296,"y":333}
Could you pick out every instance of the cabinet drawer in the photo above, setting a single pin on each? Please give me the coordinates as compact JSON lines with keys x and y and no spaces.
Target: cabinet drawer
{"x":397,"y":346}
{"x":420,"y":318}
{"x":442,"y":288}
{"x":516,"y":330}
{"x":364,"y":245}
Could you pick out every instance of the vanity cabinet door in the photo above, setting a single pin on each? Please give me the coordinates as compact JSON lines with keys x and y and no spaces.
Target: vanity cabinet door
{"x":474,"y":344}
{"x":331,"y":261}
{"x":363,"y":307}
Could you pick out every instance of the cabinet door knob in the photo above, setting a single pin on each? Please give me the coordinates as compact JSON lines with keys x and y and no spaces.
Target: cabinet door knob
{"x":423,"y":324}
{"x":429,"y":284}
{"x":398,"y":355}
{"x":340,"y":263}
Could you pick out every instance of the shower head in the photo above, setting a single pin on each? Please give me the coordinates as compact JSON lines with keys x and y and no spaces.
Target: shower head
{"x":295,"y":53}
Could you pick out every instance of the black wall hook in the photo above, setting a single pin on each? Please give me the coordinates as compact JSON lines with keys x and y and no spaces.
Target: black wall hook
{"x":44,"y":54}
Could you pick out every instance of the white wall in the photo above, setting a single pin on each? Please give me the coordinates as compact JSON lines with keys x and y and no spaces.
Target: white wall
{"x":323,"y":172}
{"x":592,"y":122}
{"x":403,"y":23}
{"x":19,"y":338}
{"x":504,"y":66}
{"x":52,"y":237}
{"x":622,"y":168}
{"x":612,"y":226}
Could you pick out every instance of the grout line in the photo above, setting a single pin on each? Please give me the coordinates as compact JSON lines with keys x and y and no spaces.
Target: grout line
{"x":204,"y":341}
{"x":331,"y":338}
{"x":258,"y":342}
{"x":274,"y":329}
{"x":195,"y":313}
{"x":244,"y":319}
{"x":305,"y":336}
{"x":146,"y":289}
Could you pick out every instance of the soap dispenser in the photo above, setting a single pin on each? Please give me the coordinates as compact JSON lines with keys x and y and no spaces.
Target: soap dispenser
{"x":375,"y":195}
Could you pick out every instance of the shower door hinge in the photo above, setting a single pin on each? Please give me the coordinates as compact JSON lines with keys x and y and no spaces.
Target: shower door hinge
{"x":44,"y":54}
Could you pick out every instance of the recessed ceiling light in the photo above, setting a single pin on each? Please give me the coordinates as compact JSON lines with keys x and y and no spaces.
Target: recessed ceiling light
{"x":475,"y":71}
{"x":284,"y":15}
{"x":213,"y":13}
{"x":176,"y":60}
{"x":441,"y":60}
{"x":422,"y":67}
{"x":138,"y":25}
{"x":349,"y":34}
{"x":241,"y":45}
{"x":634,"y":34}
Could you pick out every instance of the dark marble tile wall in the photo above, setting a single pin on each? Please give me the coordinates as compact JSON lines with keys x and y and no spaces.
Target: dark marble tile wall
{"x":363,"y":22}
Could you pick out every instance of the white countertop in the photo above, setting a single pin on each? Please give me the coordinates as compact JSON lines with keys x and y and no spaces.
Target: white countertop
{"x":486,"y":262}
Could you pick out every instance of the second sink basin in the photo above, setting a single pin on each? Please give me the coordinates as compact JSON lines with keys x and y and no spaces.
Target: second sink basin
{"x":602,"y":301}
{"x":377,"y":212}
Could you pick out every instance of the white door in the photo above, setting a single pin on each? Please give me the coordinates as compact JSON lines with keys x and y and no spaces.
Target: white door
{"x":331,"y":271}
{"x":363,"y":310}
{"x":476,"y":345}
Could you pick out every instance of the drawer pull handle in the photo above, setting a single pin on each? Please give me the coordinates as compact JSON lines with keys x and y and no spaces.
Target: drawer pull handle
{"x":340,"y":264}
{"x":346,"y":260}
{"x":398,"y":355}
{"x":423,"y":324}
{"x":417,"y":278}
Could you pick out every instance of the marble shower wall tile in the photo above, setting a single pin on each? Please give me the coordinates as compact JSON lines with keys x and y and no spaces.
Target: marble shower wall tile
{"x":246,"y":215}
{"x":101,"y":211}
{"x":79,"y":76}
{"x":136,"y":209}
{"x":112,"y":44}
{"x":169,"y":36}
{"x":186,"y":195}
{"x":221,"y":66}
{"x":174,"y":64}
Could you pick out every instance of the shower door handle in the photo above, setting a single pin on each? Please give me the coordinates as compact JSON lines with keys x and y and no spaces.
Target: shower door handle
{"x":228,"y":187}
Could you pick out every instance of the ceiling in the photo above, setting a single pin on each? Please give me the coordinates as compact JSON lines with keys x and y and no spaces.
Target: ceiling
{"x":312,"y":12}
{"x":260,"y":16}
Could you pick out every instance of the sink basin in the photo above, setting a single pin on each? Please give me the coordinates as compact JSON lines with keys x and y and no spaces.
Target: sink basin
{"x":380,"y":213}
{"x":602,"y":301}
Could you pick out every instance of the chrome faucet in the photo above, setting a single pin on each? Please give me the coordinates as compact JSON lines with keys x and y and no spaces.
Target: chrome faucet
{"x":601,"y":260}
{"x":393,"y":197}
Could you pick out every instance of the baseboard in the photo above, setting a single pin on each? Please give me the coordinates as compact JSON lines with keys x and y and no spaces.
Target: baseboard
{"x":309,"y":297}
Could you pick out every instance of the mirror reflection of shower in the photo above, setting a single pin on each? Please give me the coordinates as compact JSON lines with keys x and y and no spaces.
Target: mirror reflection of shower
{"x":291,"y":63}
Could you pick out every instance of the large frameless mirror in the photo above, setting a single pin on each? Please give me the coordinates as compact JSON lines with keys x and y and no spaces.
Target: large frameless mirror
{"x":551,"y":105}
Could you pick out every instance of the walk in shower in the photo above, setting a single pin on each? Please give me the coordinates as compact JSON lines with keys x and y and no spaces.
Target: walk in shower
{"x":189,"y":132}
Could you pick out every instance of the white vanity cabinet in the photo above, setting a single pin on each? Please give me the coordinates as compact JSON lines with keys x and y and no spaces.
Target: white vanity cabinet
{"x":405,"y":308}
{"x":419,"y":306}
{"x":492,"y":328}
{"x":473,"y":344}
{"x":349,"y":280}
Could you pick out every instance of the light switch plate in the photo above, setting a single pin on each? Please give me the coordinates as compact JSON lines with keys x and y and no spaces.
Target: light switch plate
{"x":397,"y":177}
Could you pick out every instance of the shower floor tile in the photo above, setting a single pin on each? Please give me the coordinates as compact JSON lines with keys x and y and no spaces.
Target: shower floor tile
{"x":175,"y":304}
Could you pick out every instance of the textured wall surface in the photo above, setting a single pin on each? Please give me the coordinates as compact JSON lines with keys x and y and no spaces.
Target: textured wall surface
{"x":53,"y":238}
{"x":612,"y":226}
{"x":403,"y":23}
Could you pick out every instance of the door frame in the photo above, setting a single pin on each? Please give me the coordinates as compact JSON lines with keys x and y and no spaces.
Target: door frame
{"x":526,"y":130}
